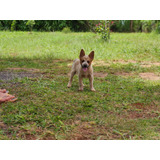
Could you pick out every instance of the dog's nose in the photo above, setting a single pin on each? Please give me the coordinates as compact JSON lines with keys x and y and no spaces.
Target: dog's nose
{"x":85,"y":66}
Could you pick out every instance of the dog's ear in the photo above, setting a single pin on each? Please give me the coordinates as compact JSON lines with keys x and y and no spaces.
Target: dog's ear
{"x":91,"y":55}
{"x":82,"y":53}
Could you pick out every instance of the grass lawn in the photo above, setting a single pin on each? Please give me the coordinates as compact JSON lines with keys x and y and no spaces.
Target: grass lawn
{"x":35,"y":67}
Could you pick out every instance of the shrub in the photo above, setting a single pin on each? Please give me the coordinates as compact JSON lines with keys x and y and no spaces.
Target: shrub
{"x":13,"y":25}
{"x":66,"y":30}
{"x":104,"y":29}
{"x":1,"y":26}
{"x":30,"y":23}
{"x":137,"y":26}
{"x":146,"y":26}
{"x":157,"y":28}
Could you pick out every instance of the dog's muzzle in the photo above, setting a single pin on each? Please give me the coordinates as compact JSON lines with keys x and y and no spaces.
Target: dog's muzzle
{"x":85,"y":67}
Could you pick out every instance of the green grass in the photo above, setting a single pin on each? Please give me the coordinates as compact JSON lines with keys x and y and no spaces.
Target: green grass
{"x":123,"y":107}
{"x":135,"y":46}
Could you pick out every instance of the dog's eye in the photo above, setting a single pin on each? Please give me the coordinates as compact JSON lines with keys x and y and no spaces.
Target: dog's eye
{"x":82,"y":61}
{"x":87,"y":61}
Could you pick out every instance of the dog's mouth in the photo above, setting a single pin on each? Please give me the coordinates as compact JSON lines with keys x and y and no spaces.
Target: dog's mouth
{"x":85,"y":69}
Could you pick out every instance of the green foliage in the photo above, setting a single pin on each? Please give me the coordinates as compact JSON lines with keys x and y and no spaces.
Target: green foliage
{"x":92,"y":25}
{"x":13,"y":25}
{"x":123,"y":26}
{"x":30,"y":23}
{"x":1,"y":27}
{"x":146,"y":25}
{"x":120,"y":26}
{"x":66,"y":30}
{"x":157,"y":27}
{"x":104,"y":29}
{"x":5,"y":24}
{"x":80,"y":25}
{"x":48,"y":25}
{"x":137,"y":26}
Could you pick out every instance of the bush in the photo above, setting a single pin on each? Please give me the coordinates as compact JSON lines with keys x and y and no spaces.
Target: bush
{"x":137,"y":26}
{"x":66,"y":30}
{"x":146,"y":26}
{"x":13,"y":25}
{"x":104,"y":29}
{"x":1,"y":26}
{"x":121,"y":26}
{"x":30,"y":23}
{"x":157,"y":27}
{"x":80,"y":25}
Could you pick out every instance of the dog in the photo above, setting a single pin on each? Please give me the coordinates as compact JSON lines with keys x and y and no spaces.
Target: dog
{"x":83,"y":67}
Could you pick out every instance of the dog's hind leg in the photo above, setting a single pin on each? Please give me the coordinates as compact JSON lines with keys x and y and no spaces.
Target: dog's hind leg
{"x":71,"y":78}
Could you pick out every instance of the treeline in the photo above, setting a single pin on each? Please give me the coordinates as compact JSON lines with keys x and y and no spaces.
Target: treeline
{"x":45,"y":25}
{"x":81,"y":25}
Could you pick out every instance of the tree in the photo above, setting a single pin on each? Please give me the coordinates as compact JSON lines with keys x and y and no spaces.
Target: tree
{"x":30,"y":23}
{"x":131,"y":25}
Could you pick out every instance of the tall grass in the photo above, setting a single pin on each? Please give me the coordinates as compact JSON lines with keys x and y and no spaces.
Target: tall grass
{"x":57,"y":45}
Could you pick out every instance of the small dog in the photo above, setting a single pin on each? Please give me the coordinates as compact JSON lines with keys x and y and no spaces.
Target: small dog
{"x":83,"y":67}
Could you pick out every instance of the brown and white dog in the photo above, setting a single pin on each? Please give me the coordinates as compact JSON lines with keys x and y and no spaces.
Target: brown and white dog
{"x":83,"y":67}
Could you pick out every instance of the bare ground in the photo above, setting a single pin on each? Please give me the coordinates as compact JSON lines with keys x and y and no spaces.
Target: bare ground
{"x":9,"y":75}
{"x":149,"y":76}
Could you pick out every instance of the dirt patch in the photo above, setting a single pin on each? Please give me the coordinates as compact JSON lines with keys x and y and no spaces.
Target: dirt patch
{"x":29,"y":137}
{"x":100,"y":63}
{"x":141,"y":114}
{"x":149,"y":76}
{"x":144,"y":107}
{"x":100,"y":74}
{"x":69,"y":64}
{"x":91,"y":131}
{"x":140,"y":110}
{"x":146,"y":65}
{"x":25,"y":69}
{"x":104,"y":63}
{"x":123,"y":74}
{"x":87,"y":130}
{"x":61,"y":60}
{"x":3,"y":126}
{"x":7,"y":75}
{"x":142,"y":64}
{"x":82,"y":131}
{"x":124,"y":62}
{"x":149,"y":64}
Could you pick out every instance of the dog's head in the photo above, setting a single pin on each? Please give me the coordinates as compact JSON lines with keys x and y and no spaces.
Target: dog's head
{"x":85,"y":60}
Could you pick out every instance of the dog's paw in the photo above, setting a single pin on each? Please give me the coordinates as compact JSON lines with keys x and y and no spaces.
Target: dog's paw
{"x":93,"y":90}
{"x":69,"y":85}
{"x":80,"y":89}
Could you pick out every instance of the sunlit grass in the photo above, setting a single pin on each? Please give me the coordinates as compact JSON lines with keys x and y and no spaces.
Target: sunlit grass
{"x":123,"y":107}
{"x":135,"y":46}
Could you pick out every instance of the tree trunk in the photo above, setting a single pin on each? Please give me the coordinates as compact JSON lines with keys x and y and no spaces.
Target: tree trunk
{"x":131,"y":25}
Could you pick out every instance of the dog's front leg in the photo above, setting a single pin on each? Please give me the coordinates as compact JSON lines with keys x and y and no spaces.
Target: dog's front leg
{"x":91,"y":83}
{"x":80,"y":83}
{"x":71,"y":78}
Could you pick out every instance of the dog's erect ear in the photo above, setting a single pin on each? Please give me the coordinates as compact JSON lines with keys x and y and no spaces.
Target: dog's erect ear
{"x":82,"y":53}
{"x":91,"y":55}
